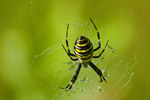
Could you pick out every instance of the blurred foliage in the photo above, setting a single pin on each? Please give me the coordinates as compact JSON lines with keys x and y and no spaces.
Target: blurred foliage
{"x":33,"y":64}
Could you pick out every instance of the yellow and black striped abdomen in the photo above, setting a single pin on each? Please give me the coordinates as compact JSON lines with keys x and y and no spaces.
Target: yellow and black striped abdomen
{"x":83,"y":49}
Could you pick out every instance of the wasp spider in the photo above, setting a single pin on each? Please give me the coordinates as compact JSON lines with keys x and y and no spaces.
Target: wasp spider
{"x":83,"y":50}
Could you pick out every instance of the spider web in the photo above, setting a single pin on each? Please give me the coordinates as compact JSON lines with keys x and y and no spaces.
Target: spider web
{"x":117,"y":67}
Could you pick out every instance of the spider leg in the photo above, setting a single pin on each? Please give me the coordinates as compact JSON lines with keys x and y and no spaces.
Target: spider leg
{"x":69,"y":86}
{"x":101,"y":51}
{"x":98,"y":71}
{"x":67,"y":44}
{"x":98,"y":35}
{"x":69,"y":54}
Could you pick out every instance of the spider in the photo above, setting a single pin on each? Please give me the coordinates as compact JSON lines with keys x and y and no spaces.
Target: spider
{"x":83,"y":50}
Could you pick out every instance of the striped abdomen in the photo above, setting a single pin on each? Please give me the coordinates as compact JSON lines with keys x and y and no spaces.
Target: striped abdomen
{"x":83,"y":49}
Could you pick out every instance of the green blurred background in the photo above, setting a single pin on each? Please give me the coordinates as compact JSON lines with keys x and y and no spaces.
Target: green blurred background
{"x":33,"y":64}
